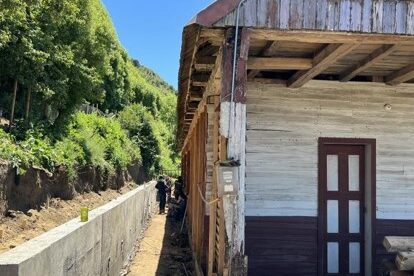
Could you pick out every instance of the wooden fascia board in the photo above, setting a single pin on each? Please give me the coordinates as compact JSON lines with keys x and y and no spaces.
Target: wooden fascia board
{"x":403,"y":75}
{"x":215,"y":12}
{"x":376,"y":56}
{"x":329,"y":37}
{"x":329,"y":55}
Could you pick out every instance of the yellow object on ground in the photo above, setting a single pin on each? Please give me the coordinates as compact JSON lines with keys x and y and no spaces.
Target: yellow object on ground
{"x":84,"y":214}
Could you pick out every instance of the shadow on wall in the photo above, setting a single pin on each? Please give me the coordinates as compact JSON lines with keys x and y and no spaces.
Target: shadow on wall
{"x":176,"y":257}
{"x":37,"y":186}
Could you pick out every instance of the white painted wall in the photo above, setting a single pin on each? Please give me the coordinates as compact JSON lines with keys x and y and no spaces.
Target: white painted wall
{"x":283,"y":127}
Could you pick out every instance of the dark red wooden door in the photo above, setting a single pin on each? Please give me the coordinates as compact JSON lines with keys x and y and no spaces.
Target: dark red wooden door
{"x":341,"y":210}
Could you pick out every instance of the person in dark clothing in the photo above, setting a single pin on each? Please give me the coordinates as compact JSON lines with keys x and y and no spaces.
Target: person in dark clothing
{"x":179,"y":189}
{"x":162,"y":193}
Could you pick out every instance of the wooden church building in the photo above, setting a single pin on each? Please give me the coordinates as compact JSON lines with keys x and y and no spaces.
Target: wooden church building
{"x":296,"y":127}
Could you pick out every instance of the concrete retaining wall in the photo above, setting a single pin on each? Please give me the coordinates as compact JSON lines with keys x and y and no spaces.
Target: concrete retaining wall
{"x":101,"y":246}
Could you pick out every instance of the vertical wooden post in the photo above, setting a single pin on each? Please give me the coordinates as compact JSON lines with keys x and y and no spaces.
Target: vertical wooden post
{"x":13,"y":106}
{"x":233,"y":127}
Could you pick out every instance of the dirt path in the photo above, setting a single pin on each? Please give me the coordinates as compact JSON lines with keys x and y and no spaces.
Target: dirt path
{"x":15,"y":231}
{"x":163,"y":251}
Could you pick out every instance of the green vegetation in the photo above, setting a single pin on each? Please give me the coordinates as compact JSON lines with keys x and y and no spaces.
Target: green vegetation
{"x":57,"y":55}
{"x":92,"y":141}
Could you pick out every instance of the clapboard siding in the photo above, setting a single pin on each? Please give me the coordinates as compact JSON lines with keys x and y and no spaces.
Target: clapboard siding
{"x":376,"y":16}
{"x":277,"y":246}
{"x":283,"y":127}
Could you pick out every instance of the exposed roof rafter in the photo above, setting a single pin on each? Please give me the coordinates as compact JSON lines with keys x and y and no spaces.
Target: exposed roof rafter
{"x":322,"y":61}
{"x":378,"y":55}
{"x":403,"y":75}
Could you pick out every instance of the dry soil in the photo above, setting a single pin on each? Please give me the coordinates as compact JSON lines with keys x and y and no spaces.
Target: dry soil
{"x":15,"y":231}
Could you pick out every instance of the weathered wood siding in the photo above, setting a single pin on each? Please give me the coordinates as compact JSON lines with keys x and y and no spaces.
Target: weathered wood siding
{"x":278,"y":244}
{"x":376,"y":16}
{"x":283,"y":126}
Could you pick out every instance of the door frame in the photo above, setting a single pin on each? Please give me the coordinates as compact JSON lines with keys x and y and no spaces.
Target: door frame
{"x":370,"y":173}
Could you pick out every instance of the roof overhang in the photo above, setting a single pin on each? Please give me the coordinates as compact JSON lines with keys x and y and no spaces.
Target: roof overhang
{"x":293,"y":54}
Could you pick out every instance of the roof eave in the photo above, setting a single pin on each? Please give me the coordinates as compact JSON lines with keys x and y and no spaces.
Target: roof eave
{"x":213,"y":13}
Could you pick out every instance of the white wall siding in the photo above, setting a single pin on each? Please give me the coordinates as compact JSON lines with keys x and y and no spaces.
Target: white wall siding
{"x":283,"y":127}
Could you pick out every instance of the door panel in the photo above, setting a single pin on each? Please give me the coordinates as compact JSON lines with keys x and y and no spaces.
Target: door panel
{"x":341,"y":208}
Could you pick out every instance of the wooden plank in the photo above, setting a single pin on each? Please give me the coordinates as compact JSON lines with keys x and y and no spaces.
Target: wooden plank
{"x":241,"y":73}
{"x":331,"y":37}
{"x":269,"y":50}
{"x":401,"y":17}
{"x":377,"y":15}
{"x":284,"y":14}
{"x":279,"y":63}
{"x":356,"y":15}
{"x":309,"y":20}
{"x":262,"y":13}
{"x":405,"y":261}
{"x":345,"y":15}
{"x":204,"y":63}
{"x":250,"y":13}
{"x":199,"y":83}
{"x":202,"y":67}
{"x":403,"y":75}
{"x":388,"y":22}
{"x":321,"y":14}
{"x":322,"y":60}
{"x":296,"y":14}
{"x":395,"y":244}
{"x":376,"y":56}
{"x":367,"y":16}
{"x":332,"y":21}
{"x":410,"y":17}
{"x":273,"y":14}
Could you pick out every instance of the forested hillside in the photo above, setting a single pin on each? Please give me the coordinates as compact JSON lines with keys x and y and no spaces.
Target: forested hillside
{"x":58,"y":55}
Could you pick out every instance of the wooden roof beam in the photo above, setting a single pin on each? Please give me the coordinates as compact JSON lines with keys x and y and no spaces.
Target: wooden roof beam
{"x":199,"y":83}
{"x":205,"y":64}
{"x":378,"y":55}
{"x":269,"y":50}
{"x":403,"y":75}
{"x":259,"y":63}
{"x":325,"y":58}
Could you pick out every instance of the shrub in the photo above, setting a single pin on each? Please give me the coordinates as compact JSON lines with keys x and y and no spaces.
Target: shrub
{"x":92,"y":140}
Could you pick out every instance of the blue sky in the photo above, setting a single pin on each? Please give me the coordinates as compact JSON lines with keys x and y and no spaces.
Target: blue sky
{"x":151,"y":30}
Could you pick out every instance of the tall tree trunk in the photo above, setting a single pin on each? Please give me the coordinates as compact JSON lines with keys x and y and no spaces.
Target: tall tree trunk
{"x":13,"y":102}
{"x":28,"y":99}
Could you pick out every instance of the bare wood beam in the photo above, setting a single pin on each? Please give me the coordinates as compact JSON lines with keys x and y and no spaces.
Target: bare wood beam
{"x":203,"y":67}
{"x":252,"y":74}
{"x":279,"y":63}
{"x":330,"y":37}
{"x":205,"y":64}
{"x":199,"y":83}
{"x":403,"y":75}
{"x":329,"y":55}
{"x":213,"y":34}
{"x":376,"y":56}
{"x":269,"y":50}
